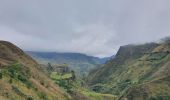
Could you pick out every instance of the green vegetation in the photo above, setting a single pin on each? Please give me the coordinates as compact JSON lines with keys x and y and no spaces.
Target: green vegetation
{"x":42,"y":96}
{"x":19,"y":79}
{"x":16,"y":72}
{"x":139,"y":72}
{"x":0,"y":75}
{"x":98,"y":96}
{"x":160,"y":98}
{"x":64,"y":80}
{"x":22,"y":79}
{"x":136,"y":73}
{"x":58,"y":76}
{"x":76,"y":87}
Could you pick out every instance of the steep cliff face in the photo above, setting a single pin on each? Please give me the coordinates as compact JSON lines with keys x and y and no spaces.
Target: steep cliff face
{"x":22,"y":79}
{"x":135,"y":71}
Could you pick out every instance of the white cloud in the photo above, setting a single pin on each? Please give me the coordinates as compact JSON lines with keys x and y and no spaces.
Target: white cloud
{"x":94,"y":27}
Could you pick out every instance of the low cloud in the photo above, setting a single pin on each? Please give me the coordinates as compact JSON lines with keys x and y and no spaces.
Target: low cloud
{"x":93,"y":27}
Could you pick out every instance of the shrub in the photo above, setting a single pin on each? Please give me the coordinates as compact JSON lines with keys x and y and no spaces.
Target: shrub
{"x":30,"y":98}
{"x":11,"y":73}
{"x":10,"y":81}
{"x":29,"y":84}
{"x":42,"y":82}
{"x":22,"y":78}
{"x":18,"y":91}
{"x":64,"y":84}
{"x":42,"y":96}
{"x":0,"y":75}
{"x":13,"y":69}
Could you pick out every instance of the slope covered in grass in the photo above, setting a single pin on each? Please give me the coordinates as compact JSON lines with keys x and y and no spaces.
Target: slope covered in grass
{"x":21,"y":78}
{"x":138,"y":72}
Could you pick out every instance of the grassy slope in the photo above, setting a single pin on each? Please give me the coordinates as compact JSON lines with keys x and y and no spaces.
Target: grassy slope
{"x":28,"y":80}
{"x":98,"y":96}
{"x":74,"y":88}
{"x":128,"y":73}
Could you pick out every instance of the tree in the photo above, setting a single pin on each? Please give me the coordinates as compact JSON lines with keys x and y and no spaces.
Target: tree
{"x":49,"y":68}
{"x":73,"y":75}
{"x":0,"y":75}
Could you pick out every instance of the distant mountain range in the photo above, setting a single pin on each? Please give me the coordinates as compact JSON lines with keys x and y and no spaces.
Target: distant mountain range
{"x":78,"y":62}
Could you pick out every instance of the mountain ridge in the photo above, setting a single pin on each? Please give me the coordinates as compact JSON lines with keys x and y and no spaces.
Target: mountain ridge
{"x":133,"y":65}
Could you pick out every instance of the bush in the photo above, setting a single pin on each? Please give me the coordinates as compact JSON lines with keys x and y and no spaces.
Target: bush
{"x":42,"y":96}
{"x":22,"y":78}
{"x":18,"y":91}
{"x":29,"y":84}
{"x":12,"y":73}
{"x":10,"y":81}
{"x":13,"y":69}
{"x":30,"y":98}
{"x":42,"y":82}
{"x":64,"y":84}
{"x":0,"y":75}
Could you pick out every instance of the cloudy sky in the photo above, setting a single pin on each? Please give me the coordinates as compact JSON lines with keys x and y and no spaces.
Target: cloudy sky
{"x":93,"y":27}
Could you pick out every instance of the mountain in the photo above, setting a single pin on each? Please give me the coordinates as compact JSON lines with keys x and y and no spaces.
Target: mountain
{"x":138,"y":72}
{"x":80,"y":63}
{"x":22,"y":79}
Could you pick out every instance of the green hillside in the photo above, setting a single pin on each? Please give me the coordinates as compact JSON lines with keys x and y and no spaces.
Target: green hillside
{"x":138,"y":72}
{"x":22,"y":79}
{"x":75,"y":86}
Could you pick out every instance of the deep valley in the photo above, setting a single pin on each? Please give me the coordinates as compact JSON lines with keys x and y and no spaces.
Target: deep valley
{"x":137,"y":72}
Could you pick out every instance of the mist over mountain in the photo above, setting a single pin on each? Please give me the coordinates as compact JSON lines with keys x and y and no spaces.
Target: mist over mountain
{"x":96,"y":28}
{"x":78,"y":62}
